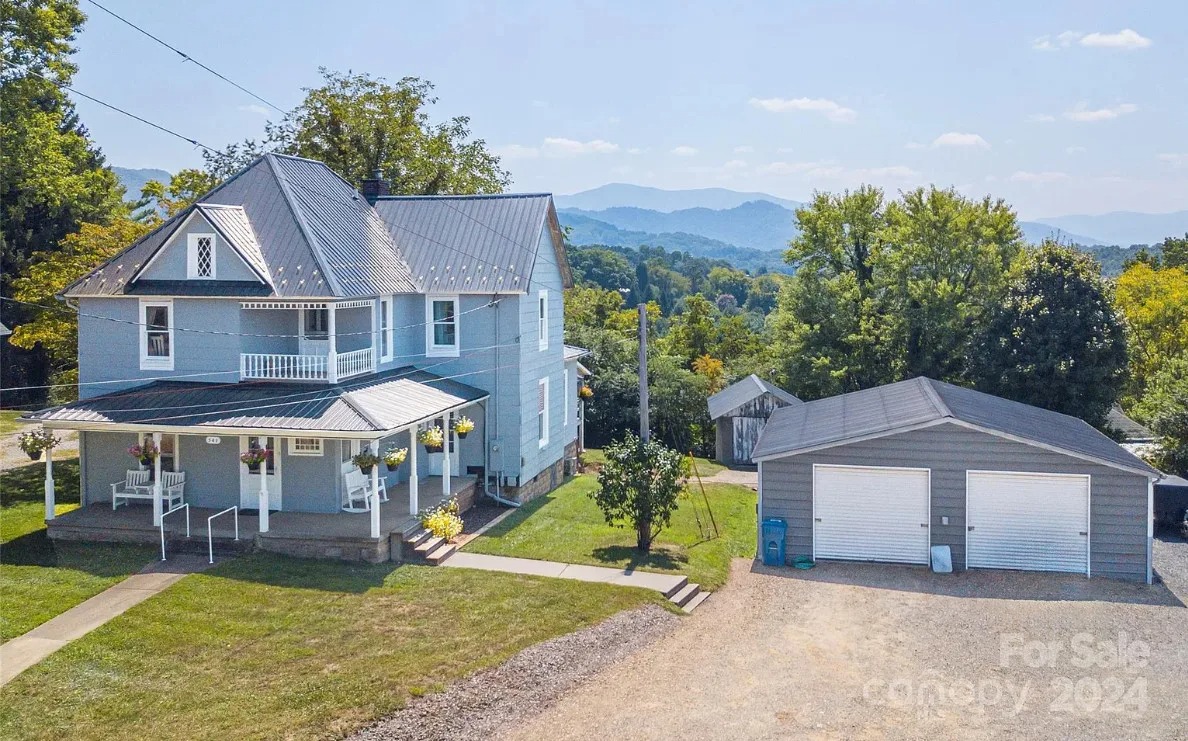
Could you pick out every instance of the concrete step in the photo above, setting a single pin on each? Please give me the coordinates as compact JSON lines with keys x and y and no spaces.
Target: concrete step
{"x":677,"y":587}
{"x":687,"y":593}
{"x":441,"y":553}
{"x":427,"y":545}
{"x":417,"y":536}
{"x":692,"y":604}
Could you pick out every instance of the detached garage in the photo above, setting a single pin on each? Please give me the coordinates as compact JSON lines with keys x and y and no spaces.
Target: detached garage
{"x":886,"y":473}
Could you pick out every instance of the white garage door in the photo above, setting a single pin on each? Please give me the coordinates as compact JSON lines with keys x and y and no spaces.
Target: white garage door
{"x":1031,"y":521}
{"x":867,"y":513}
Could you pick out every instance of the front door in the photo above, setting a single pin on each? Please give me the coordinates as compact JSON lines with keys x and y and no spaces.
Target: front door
{"x":436,"y":459}
{"x":249,"y":481}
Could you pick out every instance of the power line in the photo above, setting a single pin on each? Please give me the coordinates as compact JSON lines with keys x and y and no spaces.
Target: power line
{"x":185,"y":57}
{"x":117,"y":109}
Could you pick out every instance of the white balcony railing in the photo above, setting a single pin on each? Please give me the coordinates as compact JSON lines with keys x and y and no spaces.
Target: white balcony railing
{"x":274,"y":367}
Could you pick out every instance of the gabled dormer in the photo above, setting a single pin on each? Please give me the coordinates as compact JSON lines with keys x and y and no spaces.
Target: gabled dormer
{"x":211,"y":250}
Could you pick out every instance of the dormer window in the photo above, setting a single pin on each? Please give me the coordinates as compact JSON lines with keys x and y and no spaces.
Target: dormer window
{"x":200,"y":252}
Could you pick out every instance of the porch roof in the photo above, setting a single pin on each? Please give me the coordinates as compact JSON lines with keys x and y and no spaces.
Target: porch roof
{"x":378,"y":403}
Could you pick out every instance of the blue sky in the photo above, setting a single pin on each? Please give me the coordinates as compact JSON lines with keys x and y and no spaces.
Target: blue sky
{"x":1059,"y":107}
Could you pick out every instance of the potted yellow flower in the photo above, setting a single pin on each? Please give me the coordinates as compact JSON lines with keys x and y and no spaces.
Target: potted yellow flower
{"x":432,"y":438}
{"x":463,"y":427}
{"x":393,"y":457}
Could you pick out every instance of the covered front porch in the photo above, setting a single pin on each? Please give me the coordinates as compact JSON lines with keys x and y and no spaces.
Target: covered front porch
{"x":340,"y":535}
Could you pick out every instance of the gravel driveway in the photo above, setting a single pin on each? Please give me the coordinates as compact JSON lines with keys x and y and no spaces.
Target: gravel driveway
{"x":872,"y":651}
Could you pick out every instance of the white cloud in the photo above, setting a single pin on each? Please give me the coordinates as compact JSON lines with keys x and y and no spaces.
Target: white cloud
{"x":254,"y":108}
{"x":735,"y":165}
{"x":1074,"y":150}
{"x":745,"y":149}
{"x":1127,"y":38}
{"x":636,"y":150}
{"x":1081,"y":112}
{"x":832,"y":110}
{"x":1175,"y":159}
{"x":558,"y":147}
{"x":958,"y":139}
{"x":684,"y":151}
{"x":540,"y":104}
{"x":1041,"y":118}
{"x":1024,"y":176}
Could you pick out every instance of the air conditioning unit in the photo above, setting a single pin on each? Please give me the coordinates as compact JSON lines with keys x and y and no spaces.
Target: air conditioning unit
{"x":571,"y":466}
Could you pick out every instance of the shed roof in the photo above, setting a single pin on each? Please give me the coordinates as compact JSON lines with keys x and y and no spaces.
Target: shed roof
{"x":1132,"y":431}
{"x":386,"y":401}
{"x":744,"y":391}
{"x":473,"y":243}
{"x":918,"y":402}
{"x":573,"y":352}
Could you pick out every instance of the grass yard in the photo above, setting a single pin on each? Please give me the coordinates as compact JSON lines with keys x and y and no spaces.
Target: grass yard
{"x":705,"y":467}
{"x":38,"y":577}
{"x":8,"y":422}
{"x":264,"y":647}
{"x":566,"y":525}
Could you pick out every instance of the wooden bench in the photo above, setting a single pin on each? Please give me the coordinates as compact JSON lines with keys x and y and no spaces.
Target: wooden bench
{"x":136,"y":485}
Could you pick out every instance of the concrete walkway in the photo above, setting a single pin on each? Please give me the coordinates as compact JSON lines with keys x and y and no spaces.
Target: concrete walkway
{"x":666,"y":584}
{"x":24,"y":651}
{"x":734,"y":476}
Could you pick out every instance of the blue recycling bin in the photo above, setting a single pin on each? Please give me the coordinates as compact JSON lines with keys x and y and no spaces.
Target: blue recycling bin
{"x":775,"y":530}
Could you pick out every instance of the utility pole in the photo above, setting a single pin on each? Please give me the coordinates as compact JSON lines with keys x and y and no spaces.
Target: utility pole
{"x":644,"y":432}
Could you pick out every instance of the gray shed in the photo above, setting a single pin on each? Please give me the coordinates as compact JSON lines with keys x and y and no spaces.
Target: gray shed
{"x":886,"y":473}
{"x":739,"y":412}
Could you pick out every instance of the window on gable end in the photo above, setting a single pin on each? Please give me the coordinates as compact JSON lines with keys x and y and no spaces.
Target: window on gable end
{"x":200,"y":256}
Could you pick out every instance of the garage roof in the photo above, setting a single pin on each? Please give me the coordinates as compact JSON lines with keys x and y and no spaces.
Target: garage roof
{"x":922,"y":402}
{"x":741,"y":392}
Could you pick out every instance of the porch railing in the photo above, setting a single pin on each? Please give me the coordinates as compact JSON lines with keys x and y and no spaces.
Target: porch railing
{"x":186,"y":507}
{"x":282,"y":367}
{"x":210,"y":529}
{"x":355,"y":362}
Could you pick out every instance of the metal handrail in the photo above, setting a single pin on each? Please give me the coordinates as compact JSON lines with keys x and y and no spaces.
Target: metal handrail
{"x":186,"y":507}
{"x":210,"y":535}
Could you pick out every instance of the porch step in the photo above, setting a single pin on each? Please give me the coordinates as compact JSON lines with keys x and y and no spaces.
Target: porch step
{"x":425,"y":546}
{"x":441,"y":553}
{"x":692,"y":604}
{"x":417,"y":535}
{"x":685,"y":595}
{"x":676,"y":588}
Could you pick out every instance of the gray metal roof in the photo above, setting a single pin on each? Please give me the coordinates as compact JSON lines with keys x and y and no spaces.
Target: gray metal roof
{"x":1173,"y":481}
{"x":4,"y":330}
{"x":478,"y":244}
{"x":315,"y":235}
{"x":1132,"y":431}
{"x":746,"y":390}
{"x":385,"y":401}
{"x":232,"y":222}
{"x":573,"y":352}
{"x":837,"y":420}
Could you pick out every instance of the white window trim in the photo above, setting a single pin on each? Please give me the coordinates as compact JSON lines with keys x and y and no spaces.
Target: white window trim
{"x":542,"y":319}
{"x":316,"y":451}
{"x":385,"y":310}
{"x":153,"y":362}
{"x":192,"y":256}
{"x":442,"y":351}
{"x":543,"y":385}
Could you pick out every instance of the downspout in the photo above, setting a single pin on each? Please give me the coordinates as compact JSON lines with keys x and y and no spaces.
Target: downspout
{"x":487,"y":461}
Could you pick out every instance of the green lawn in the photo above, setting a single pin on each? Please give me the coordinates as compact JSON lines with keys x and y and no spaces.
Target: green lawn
{"x":566,"y":525}
{"x":705,"y":467}
{"x":264,"y":647}
{"x":38,"y":577}
{"x":8,"y":422}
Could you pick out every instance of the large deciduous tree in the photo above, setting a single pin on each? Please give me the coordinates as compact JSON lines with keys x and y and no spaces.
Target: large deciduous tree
{"x":357,"y":124}
{"x":52,"y":177}
{"x":1154,"y":302}
{"x":1164,"y":408}
{"x":1056,"y":341}
{"x":639,"y":486}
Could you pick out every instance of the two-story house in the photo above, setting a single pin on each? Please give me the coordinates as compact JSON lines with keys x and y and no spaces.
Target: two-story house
{"x":289,"y":313}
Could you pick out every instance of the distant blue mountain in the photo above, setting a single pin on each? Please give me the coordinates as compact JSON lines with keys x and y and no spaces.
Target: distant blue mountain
{"x":1125,"y":227}
{"x":1035,"y":233}
{"x":133,"y":180}
{"x":760,"y":225}
{"x":659,"y":199}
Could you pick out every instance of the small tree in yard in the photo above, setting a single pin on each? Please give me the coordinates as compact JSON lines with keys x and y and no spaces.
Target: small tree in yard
{"x":639,"y":484}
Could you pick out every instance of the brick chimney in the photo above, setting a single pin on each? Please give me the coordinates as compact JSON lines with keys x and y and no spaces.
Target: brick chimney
{"x":374,"y":187}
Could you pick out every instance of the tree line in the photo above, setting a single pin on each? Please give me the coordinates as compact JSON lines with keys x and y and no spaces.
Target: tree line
{"x":930,"y":283}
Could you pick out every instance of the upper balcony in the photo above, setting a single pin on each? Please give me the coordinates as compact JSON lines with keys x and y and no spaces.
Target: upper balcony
{"x":319,"y":341}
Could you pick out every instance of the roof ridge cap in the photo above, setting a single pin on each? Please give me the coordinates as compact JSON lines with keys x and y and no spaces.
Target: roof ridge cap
{"x":315,"y":246}
{"x":935,"y":397}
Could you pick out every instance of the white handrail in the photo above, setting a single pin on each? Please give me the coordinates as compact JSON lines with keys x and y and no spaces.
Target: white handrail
{"x":210,"y":535}
{"x":186,"y":507}
{"x":355,"y":362}
{"x":273,"y":366}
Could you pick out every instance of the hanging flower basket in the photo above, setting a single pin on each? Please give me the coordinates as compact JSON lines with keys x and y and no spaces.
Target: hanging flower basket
{"x":463,"y":427}
{"x":432,"y":438}
{"x":145,"y":452}
{"x":585,"y":393}
{"x":365,"y":461}
{"x":393,"y":457}
{"x":253,"y":457}
{"x":36,"y":441}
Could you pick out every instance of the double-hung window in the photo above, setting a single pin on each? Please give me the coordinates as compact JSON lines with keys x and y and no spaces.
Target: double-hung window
{"x":441,"y":325}
{"x":156,"y":334}
{"x":200,"y":256}
{"x":542,"y":319}
{"x":317,"y":324}
{"x":542,"y":412}
{"x":385,"y":339}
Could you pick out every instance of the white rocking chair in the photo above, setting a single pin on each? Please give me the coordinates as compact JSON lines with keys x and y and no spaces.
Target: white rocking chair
{"x":356,"y":491}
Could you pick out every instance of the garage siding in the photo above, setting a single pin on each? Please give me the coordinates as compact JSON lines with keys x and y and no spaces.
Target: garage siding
{"x":1118,"y":508}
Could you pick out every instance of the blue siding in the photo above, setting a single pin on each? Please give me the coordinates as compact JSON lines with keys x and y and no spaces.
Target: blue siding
{"x":536,"y":364}
{"x":309,"y":482}
{"x":171,"y":262}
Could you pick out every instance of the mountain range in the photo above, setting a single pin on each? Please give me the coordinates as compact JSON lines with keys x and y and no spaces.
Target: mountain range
{"x":134,"y":179}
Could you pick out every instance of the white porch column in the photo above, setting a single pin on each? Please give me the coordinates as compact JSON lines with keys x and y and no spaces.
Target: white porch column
{"x":445,"y":458}
{"x":49,"y":483}
{"x":414,"y":504}
{"x":158,"y":505}
{"x":262,"y":502}
{"x":375,"y":497}
{"x":374,"y":336}
{"x":332,"y":337}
